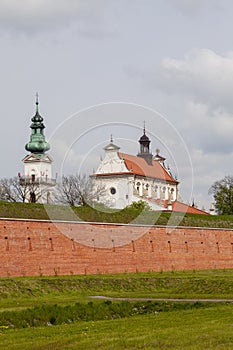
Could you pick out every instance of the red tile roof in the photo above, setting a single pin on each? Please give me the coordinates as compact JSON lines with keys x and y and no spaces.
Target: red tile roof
{"x":178,"y":207}
{"x":185,"y":208}
{"x":139,"y":166}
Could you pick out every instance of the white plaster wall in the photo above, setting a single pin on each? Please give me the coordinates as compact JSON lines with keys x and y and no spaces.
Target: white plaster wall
{"x":40,"y":169}
{"x":124,"y":191}
{"x":112,"y":163}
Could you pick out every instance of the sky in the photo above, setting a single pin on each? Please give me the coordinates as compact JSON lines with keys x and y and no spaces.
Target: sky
{"x":103,"y":67}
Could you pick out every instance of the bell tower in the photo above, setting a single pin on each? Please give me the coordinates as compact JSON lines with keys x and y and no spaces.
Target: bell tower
{"x":144,"y":142}
{"x":37,"y":181}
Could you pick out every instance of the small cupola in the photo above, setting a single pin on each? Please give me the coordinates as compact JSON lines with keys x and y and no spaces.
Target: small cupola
{"x":111,"y":147}
{"x":144,"y":142}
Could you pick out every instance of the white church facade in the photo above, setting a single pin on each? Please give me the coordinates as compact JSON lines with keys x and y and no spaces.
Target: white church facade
{"x":128,"y":178}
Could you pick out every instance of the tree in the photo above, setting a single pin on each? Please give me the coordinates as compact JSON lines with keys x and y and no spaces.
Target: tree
{"x":18,"y":190}
{"x":140,"y":205}
{"x":222,"y":192}
{"x":78,"y":190}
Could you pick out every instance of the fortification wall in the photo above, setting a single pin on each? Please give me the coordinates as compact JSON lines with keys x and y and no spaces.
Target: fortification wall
{"x":33,"y":248}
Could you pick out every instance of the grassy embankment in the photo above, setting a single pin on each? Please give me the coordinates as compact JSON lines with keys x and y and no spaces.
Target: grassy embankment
{"x":127,"y":215}
{"x":57,"y":313}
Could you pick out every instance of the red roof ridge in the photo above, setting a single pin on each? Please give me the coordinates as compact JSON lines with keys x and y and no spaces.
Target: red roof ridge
{"x":139,"y":166}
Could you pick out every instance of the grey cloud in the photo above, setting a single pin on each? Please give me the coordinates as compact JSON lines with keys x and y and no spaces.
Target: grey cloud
{"x":193,"y":7}
{"x":38,"y":15}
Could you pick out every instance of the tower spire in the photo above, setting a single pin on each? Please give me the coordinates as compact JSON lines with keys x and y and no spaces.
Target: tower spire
{"x":37,"y":102}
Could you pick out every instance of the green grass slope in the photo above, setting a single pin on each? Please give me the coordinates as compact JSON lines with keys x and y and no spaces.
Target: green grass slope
{"x":127,"y":215}
{"x":58,"y":313}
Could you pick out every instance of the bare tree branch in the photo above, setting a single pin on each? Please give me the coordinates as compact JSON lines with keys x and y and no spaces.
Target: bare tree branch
{"x":78,"y":190}
{"x":17,"y":190}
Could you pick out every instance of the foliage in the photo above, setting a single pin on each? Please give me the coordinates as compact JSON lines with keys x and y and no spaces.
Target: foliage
{"x":92,"y":311}
{"x":140,"y":205}
{"x":222,"y":191}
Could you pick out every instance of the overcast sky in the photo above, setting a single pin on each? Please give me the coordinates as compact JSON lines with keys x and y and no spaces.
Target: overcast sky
{"x":169,"y":62}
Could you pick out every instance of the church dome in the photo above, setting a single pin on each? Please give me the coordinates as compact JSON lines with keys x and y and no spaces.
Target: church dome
{"x":144,"y":138}
{"x":37,"y":143}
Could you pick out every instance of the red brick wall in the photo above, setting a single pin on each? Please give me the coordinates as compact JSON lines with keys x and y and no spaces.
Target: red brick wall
{"x":45,"y":248}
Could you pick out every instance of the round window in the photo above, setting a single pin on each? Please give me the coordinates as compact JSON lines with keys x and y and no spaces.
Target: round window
{"x":112,"y":190}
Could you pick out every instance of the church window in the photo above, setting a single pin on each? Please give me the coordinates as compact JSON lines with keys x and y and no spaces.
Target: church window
{"x":112,"y":190}
{"x":138,"y":186}
{"x":172,"y":193}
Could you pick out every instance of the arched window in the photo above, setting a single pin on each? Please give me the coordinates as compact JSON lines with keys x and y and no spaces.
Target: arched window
{"x":172,"y":193}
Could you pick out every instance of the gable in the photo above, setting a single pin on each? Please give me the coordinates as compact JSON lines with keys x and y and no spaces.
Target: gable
{"x":45,"y":158}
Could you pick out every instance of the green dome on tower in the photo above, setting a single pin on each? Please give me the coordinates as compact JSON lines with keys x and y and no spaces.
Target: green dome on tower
{"x":37,"y":143}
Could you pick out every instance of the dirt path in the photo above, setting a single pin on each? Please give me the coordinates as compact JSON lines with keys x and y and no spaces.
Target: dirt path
{"x":164,"y":299}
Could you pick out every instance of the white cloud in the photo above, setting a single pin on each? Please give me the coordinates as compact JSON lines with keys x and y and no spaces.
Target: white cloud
{"x":202,"y":75}
{"x":211,"y":129}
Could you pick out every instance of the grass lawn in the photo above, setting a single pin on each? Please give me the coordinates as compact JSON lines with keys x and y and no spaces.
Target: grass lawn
{"x":21,"y":292}
{"x":31,"y":301}
{"x":127,"y":215}
{"x":208,"y":328}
